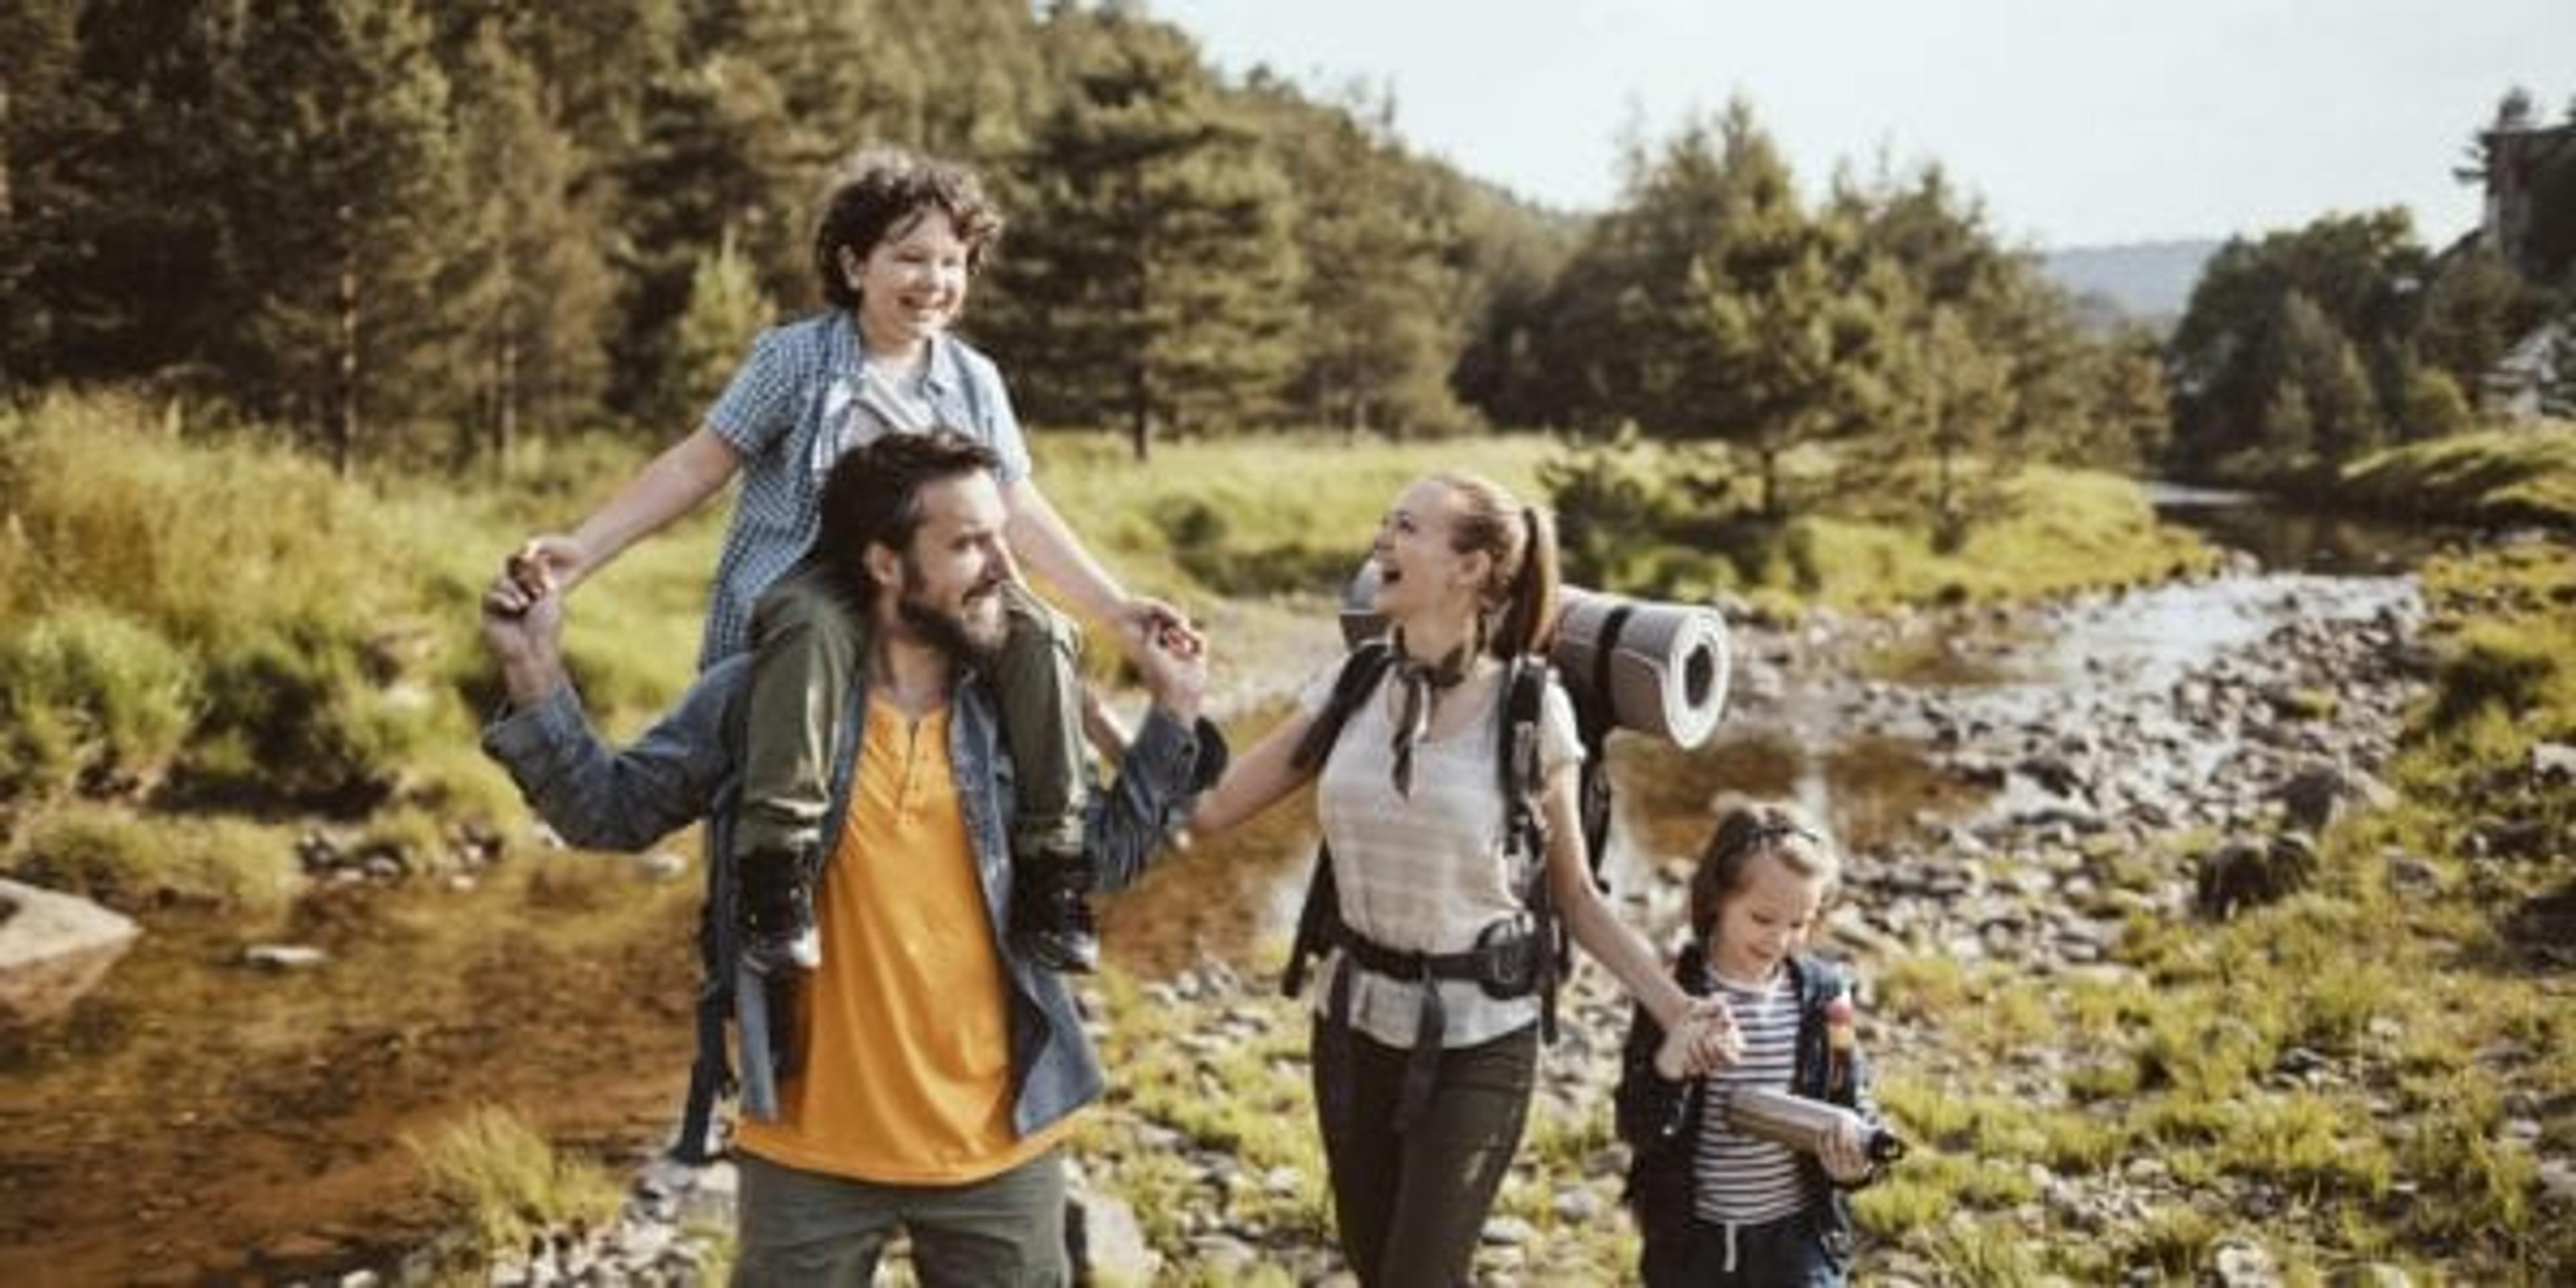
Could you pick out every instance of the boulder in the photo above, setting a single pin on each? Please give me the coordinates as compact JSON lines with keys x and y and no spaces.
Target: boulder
{"x":53,"y":948}
{"x":2243,"y":874}
{"x":2315,"y":797}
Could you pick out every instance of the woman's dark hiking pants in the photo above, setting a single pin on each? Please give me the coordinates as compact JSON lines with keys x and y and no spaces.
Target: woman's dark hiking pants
{"x":1411,"y":1206}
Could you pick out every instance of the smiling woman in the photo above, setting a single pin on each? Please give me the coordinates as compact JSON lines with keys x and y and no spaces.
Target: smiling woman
{"x":1424,"y":1044}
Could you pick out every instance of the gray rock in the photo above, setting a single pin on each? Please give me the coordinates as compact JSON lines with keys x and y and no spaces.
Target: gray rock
{"x":2242,"y":874}
{"x":54,"y":948}
{"x":2558,"y":1181}
{"x":1224,"y":1257}
{"x":1578,"y":1206}
{"x":284,"y":957}
{"x":662,"y":865}
{"x":2409,"y":875}
{"x":2244,"y":1266}
{"x":2314,"y":797}
{"x":1114,"y":1248}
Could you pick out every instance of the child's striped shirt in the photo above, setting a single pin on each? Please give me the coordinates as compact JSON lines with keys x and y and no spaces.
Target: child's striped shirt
{"x":1742,"y":1180}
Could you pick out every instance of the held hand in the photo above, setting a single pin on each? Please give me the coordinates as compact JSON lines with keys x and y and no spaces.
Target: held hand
{"x":1174,"y":664}
{"x":1704,"y":1042}
{"x":1716,"y":1042}
{"x":550,"y":562}
{"x":1147,"y":622}
{"x":1844,"y":1155}
{"x":1673,"y":1058}
{"x":524,"y":632}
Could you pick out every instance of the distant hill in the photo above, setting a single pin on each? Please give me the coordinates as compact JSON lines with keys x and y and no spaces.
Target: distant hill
{"x":2142,"y":281}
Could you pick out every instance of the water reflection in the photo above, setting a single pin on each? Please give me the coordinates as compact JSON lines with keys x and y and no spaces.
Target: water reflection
{"x":1868,"y":788}
{"x":186,"y":1115}
{"x":2286,"y":538}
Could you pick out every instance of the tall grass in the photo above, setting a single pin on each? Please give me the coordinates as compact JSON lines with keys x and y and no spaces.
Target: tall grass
{"x":2522,"y":475}
{"x":220,"y":624}
{"x":232,"y":610}
{"x":505,"y":1183}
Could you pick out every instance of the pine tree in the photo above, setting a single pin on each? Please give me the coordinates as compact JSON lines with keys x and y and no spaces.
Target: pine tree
{"x":726,"y":309}
{"x":538,"y":300}
{"x":40,"y":110}
{"x":348,"y":216}
{"x":121,"y":175}
{"x":1153,"y":282}
{"x":1383,"y":306}
{"x":2360,"y":276}
{"x":1711,"y":307}
{"x":714,"y":142}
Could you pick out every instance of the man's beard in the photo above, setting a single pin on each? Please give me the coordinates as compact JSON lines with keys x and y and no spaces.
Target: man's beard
{"x":949,"y":632}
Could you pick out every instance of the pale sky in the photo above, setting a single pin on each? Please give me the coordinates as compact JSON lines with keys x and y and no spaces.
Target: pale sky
{"x":2078,"y":122}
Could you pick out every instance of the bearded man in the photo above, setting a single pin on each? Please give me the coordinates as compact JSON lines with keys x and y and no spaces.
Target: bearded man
{"x":937,"y":1067}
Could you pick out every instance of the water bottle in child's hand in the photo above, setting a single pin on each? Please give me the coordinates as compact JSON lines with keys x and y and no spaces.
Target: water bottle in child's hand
{"x":1799,"y":1123}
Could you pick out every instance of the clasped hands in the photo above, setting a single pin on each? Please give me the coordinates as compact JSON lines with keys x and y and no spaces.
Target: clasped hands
{"x":1704,"y":1041}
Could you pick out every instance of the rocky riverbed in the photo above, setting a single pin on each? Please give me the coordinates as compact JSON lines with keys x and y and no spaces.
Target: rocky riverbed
{"x":2167,"y":753}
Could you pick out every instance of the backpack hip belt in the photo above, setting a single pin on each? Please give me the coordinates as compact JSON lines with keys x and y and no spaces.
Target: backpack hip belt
{"x":1503,"y":963}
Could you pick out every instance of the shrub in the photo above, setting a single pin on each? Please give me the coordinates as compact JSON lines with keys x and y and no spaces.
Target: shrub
{"x":89,"y":694}
{"x":295,"y":714}
{"x":132,"y":862}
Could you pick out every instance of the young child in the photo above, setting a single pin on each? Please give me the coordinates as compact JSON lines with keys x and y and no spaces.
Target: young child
{"x":897,"y":244}
{"x":1717,"y":1206}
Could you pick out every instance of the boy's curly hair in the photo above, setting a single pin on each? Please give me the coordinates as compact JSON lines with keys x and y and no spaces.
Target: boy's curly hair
{"x":885,"y":190}
{"x":1746,"y":831}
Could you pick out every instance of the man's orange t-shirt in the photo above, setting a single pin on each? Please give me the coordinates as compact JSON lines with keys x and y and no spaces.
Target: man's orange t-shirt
{"x":907,"y":1077}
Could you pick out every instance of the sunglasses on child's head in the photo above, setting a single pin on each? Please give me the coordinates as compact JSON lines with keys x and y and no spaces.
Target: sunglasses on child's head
{"x":1762,"y":833}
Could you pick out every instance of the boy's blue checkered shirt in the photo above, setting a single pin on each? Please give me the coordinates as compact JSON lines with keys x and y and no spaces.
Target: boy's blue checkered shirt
{"x":791,"y":411}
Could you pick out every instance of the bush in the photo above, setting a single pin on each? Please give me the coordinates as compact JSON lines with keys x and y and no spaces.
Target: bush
{"x":1203,"y":543}
{"x":92,"y":696}
{"x":134,"y":862}
{"x":222,"y":597}
{"x":294,"y":714}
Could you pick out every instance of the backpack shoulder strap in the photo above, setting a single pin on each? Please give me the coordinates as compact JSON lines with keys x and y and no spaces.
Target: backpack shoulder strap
{"x":1321,"y":911}
{"x":1360,"y":673}
{"x":1517,"y":762}
{"x":1524,"y":699}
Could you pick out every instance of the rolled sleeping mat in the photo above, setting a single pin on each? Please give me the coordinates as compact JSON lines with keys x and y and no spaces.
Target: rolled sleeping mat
{"x":1665,"y":666}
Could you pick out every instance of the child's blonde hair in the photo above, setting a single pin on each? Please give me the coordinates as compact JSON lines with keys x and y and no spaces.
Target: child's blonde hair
{"x":1746,"y":831}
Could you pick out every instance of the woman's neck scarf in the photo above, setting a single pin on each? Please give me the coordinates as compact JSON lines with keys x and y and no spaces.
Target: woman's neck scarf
{"x":1417,"y":681}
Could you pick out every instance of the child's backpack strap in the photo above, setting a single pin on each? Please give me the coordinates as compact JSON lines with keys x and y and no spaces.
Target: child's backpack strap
{"x":1359,"y":677}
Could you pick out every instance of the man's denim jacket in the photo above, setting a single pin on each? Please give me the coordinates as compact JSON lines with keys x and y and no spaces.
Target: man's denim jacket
{"x":686,"y":767}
